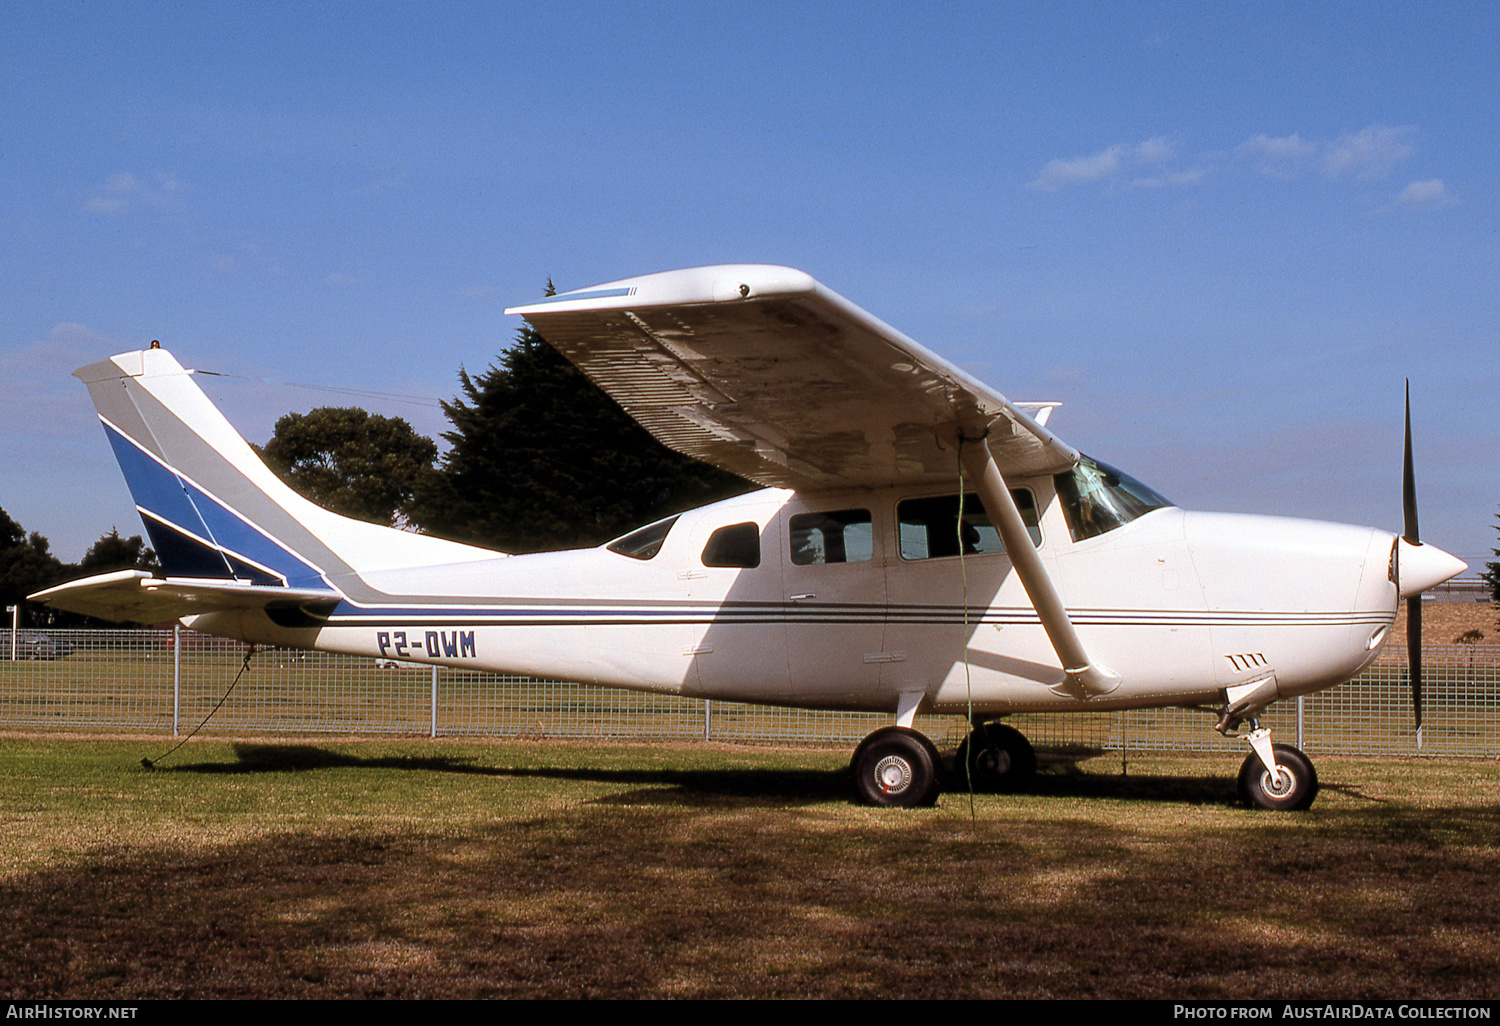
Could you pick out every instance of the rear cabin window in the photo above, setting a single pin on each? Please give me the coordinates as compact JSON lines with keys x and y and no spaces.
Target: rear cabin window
{"x":644,"y":542}
{"x":930,"y":527}
{"x":838,"y":536}
{"x":737,"y":545}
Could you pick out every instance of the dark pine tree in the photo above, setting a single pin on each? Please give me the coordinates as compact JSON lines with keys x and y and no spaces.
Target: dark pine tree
{"x":542,"y":459}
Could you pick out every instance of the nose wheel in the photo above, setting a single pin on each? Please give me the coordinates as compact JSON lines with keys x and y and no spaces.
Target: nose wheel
{"x":1276,"y":776}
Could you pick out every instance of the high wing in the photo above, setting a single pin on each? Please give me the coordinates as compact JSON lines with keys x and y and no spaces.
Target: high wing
{"x":764,"y":372}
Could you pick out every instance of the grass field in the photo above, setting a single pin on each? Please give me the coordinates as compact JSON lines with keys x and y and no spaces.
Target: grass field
{"x":549,"y":869}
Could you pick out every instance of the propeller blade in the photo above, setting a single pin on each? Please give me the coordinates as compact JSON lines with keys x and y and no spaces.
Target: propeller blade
{"x":1414,"y":657}
{"x":1412,"y":534}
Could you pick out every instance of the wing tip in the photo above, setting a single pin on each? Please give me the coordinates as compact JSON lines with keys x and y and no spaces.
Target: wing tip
{"x":718,"y":283}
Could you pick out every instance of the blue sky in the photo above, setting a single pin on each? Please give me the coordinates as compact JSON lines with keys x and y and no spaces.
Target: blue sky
{"x":1220,"y":234}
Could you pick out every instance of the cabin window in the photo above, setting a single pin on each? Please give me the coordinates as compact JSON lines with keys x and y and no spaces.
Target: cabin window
{"x":644,"y":542}
{"x":930,"y":527}
{"x":737,"y":545}
{"x":839,"y":536}
{"x":1097,"y":498}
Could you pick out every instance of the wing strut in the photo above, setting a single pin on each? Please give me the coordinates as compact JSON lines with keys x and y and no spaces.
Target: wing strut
{"x":1082,"y":673}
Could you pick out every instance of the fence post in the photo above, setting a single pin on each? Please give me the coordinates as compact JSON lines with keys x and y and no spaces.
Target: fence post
{"x":176,"y":679}
{"x":433,"y":703}
{"x":708,"y":726}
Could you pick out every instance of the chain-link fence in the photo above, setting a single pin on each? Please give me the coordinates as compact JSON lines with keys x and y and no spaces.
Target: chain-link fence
{"x":170,"y":681}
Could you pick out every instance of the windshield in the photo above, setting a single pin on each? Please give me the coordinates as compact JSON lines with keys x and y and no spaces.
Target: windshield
{"x":1097,"y":498}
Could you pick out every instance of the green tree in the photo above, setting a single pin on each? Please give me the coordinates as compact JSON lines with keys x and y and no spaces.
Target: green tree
{"x":1491,"y":573}
{"x":111,"y":552}
{"x":353,"y":462}
{"x":542,"y":459}
{"x":26,"y":565}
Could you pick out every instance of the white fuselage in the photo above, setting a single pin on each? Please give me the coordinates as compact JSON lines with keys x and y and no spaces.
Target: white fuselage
{"x":1180,"y":605}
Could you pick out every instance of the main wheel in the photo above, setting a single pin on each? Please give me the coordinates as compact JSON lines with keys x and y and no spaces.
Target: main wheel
{"x":1295,"y":789}
{"x":997,"y":758}
{"x":896,"y":766}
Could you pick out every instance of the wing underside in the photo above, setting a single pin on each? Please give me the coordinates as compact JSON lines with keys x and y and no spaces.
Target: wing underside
{"x":766,"y":373}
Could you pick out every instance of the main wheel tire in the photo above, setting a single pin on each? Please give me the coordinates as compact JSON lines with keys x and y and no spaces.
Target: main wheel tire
{"x":896,"y":767}
{"x":1295,"y":790}
{"x":997,"y":758}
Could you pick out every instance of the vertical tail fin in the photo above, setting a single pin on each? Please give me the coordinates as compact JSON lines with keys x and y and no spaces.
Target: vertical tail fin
{"x":212,"y":508}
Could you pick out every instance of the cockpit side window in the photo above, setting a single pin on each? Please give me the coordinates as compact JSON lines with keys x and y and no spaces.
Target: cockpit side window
{"x":836,"y":536}
{"x":1097,"y":498}
{"x":644,"y":542}
{"x":737,"y":545}
{"x":930,"y":527}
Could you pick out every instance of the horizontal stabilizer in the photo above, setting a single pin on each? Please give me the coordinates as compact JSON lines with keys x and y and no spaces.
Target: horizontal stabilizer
{"x":135,"y":596}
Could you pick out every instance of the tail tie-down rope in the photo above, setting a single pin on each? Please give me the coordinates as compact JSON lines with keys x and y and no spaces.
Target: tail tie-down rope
{"x":150,"y":764}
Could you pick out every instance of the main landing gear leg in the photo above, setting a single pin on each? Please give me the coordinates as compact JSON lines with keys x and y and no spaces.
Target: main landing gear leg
{"x":1276,"y":776}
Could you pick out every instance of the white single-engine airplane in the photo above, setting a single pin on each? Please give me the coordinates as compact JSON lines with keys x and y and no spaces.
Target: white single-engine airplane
{"x":923,"y":544}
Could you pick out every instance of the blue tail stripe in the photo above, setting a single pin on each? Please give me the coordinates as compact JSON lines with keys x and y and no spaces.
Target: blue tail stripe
{"x":191,"y":511}
{"x":153,"y":486}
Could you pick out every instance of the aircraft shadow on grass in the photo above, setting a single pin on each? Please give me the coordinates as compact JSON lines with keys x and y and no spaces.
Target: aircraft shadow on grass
{"x":741,"y":785}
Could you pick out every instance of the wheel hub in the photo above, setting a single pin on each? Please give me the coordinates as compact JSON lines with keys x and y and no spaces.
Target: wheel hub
{"x":1279,"y":786}
{"x":893,"y":774}
{"x":996,"y":761}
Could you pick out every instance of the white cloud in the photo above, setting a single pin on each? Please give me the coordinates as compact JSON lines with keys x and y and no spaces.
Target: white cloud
{"x":124,"y":192}
{"x":40,"y":383}
{"x":1156,"y":150}
{"x":1277,"y":156}
{"x":1431,"y":193}
{"x":1368,"y":154}
{"x":1108,"y":164}
{"x":1371,"y":153}
{"x":114,"y":196}
{"x":1059,"y":173}
{"x":1190,"y":176}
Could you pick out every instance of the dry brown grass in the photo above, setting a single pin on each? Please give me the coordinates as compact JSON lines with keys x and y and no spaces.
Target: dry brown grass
{"x":441,"y":869}
{"x":1443,"y":623}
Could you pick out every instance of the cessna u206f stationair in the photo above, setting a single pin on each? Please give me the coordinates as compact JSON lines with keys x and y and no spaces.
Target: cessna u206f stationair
{"x":923,"y":544}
